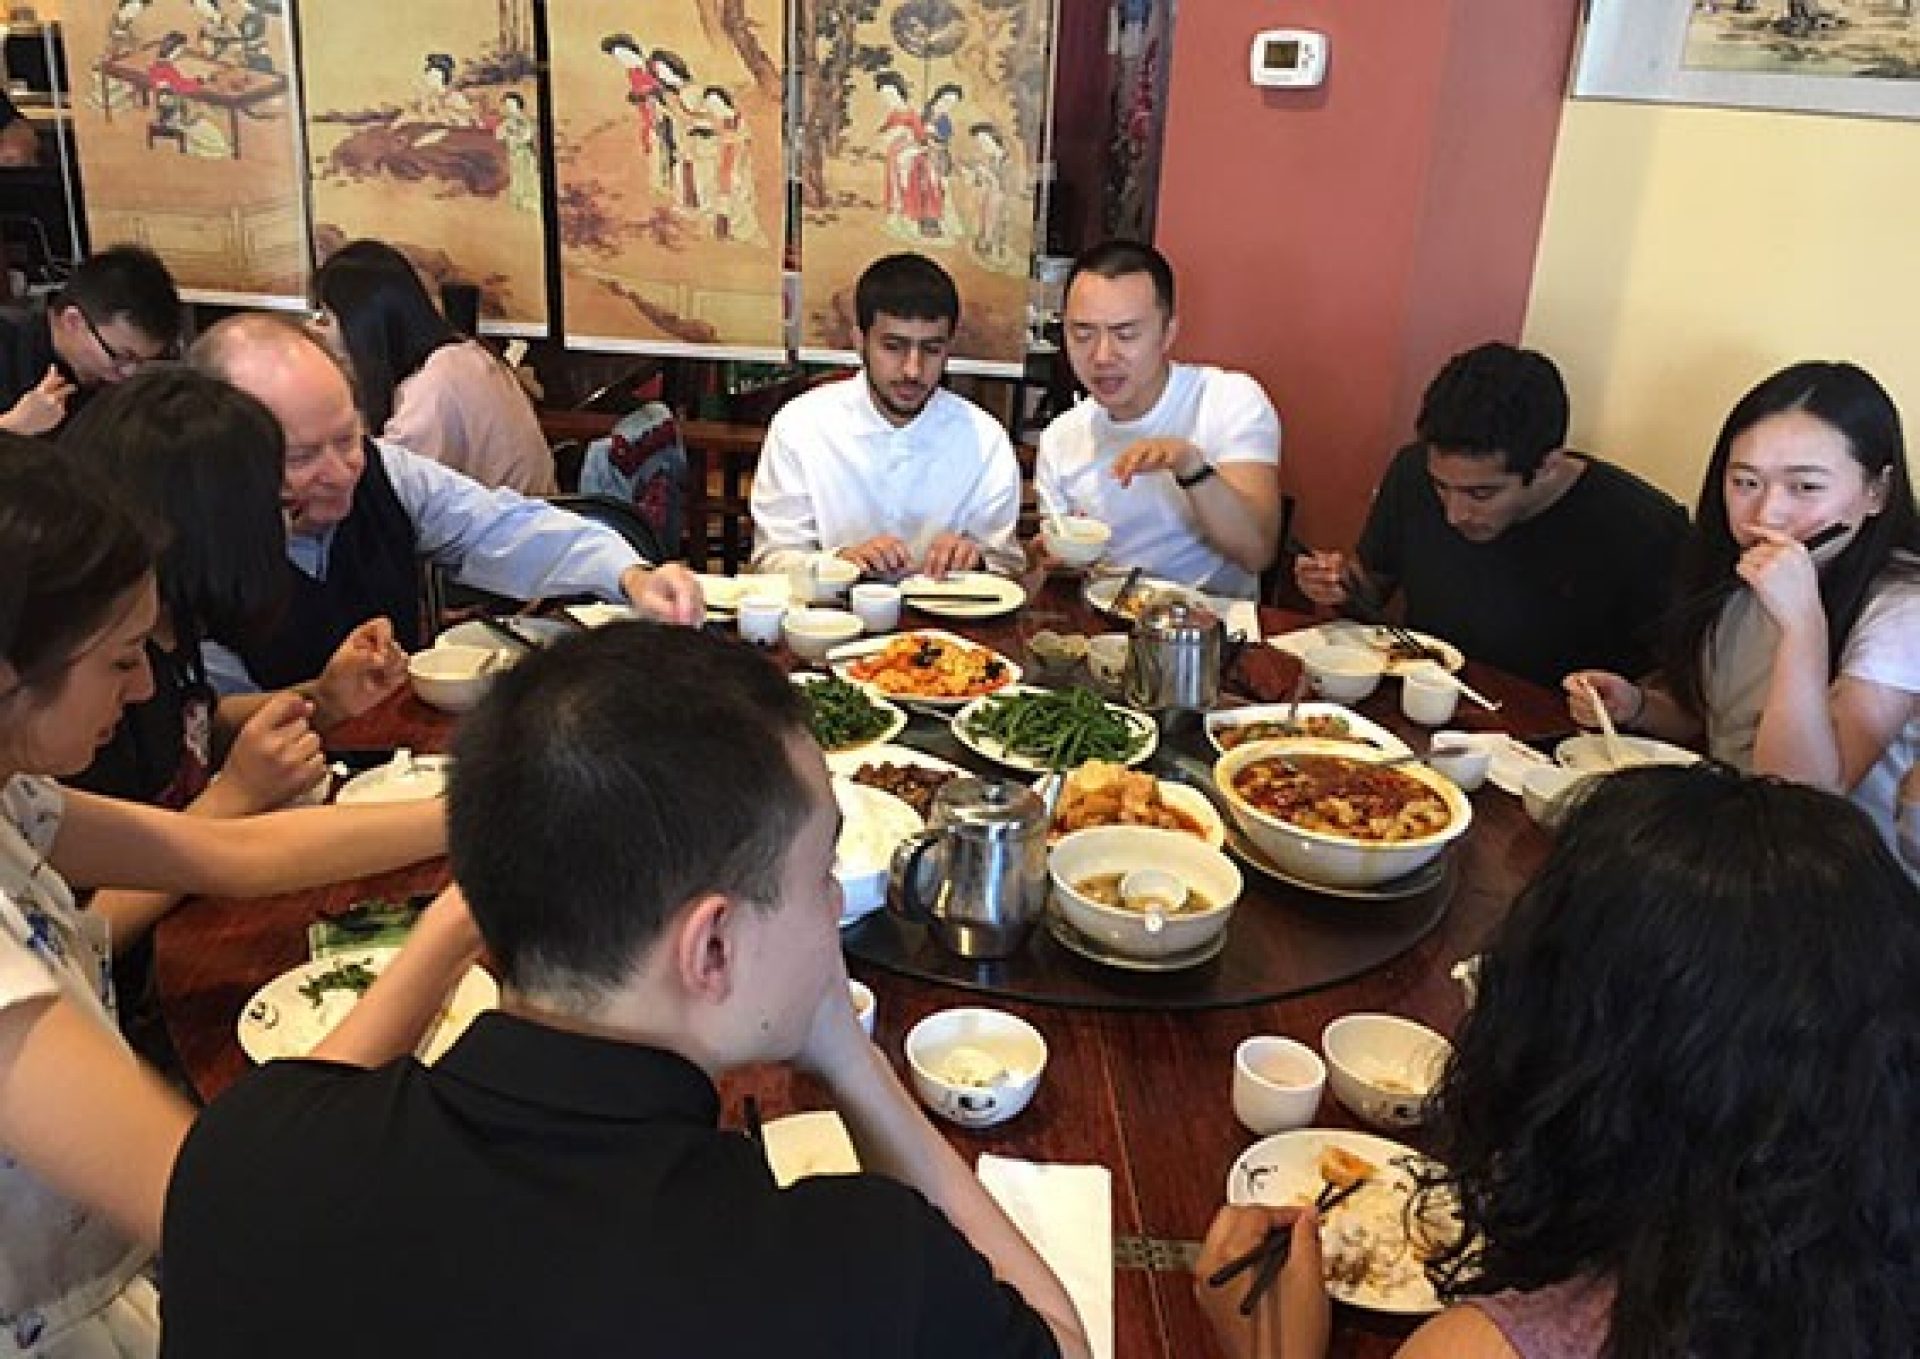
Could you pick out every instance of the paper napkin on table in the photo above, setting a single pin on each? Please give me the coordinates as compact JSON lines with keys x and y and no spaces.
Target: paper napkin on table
{"x":1242,"y":616}
{"x":1067,"y":1213}
{"x":1511,"y":761}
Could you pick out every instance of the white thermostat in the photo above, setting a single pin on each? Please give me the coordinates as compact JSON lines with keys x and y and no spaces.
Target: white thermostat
{"x":1289,"y":58}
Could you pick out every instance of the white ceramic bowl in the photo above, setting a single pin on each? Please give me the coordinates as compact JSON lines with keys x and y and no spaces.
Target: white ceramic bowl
{"x":1011,"y":1051}
{"x":1323,"y":857}
{"x":1464,"y":757}
{"x":1121,"y":849}
{"x":832,"y":576}
{"x":864,"y":1005}
{"x":453,"y":678}
{"x":1548,"y":792}
{"x":1081,"y":542}
{"x":1344,"y":674}
{"x":872,"y":824}
{"x":812,"y":633}
{"x":1383,"y":1067}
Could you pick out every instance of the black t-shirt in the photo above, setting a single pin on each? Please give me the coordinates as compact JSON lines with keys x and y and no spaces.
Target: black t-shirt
{"x":544,"y":1193}
{"x":1583,"y":585}
{"x":162,"y":751}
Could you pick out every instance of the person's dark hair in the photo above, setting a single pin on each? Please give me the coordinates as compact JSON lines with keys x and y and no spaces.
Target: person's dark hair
{"x":205,"y":460}
{"x":70,"y":547}
{"x":1692,"y":1070}
{"x":387,"y":320}
{"x":1118,"y":258}
{"x":614,"y":42}
{"x":908,"y":286}
{"x":892,"y":80}
{"x":126,"y":282}
{"x":1850,"y":401}
{"x":441,"y":62}
{"x":604,"y":783}
{"x":942,"y":91}
{"x":672,"y":63}
{"x":1497,"y":401}
{"x":170,"y":45}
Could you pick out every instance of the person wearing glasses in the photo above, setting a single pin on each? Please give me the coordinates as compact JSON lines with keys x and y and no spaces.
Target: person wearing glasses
{"x":119,"y":310}
{"x":1502,"y":540}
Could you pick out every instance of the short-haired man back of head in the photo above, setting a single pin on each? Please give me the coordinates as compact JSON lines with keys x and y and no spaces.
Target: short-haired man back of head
{"x":645,"y":832}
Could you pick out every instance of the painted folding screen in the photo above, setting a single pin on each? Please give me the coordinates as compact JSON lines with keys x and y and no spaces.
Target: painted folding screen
{"x":669,"y":171}
{"x":186,"y":125}
{"x":422,"y":131}
{"x":923,"y":123}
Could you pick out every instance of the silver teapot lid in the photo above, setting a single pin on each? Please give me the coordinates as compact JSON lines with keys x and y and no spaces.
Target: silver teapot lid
{"x":1173,"y":616}
{"x":989,"y":808}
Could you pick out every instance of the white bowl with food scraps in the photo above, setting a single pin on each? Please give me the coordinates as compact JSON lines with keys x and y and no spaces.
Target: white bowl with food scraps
{"x":454,"y":678}
{"x":1320,"y":812}
{"x":1344,"y":674}
{"x":1099,"y":889}
{"x":812,"y":633}
{"x":974,"y":1066}
{"x":1074,"y":539}
{"x":872,"y":825}
{"x":1383,"y":1067}
{"x":1107,"y":657}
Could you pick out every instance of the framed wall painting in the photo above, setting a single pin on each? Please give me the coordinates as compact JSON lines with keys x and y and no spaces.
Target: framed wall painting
{"x":922,"y":123}
{"x":670,"y":174}
{"x":1808,"y":56}
{"x":187,"y":129}
{"x":421,"y":131}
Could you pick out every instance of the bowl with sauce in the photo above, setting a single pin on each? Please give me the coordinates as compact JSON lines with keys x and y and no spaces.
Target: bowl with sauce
{"x":1151,"y":921}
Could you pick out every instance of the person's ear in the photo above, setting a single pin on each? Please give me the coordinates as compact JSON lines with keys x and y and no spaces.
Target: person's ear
{"x":1877,"y":489}
{"x":1173,"y":329}
{"x":702,"y":938}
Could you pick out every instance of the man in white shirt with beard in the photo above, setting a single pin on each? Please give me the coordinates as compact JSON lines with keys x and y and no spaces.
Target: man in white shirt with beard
{"x":889,"y":469}
{"x":1181,"y":461}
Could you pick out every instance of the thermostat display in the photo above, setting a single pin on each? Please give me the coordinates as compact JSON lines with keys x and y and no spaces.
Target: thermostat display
{"x":1289,"y":58}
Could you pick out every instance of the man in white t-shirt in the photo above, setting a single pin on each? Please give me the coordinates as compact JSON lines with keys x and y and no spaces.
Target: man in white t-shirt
{"x":889,"y":469}
{"x":1181,"y":461}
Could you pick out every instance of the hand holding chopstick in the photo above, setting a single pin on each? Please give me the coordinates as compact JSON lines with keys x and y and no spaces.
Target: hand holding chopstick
{"x":1298,"y":1307}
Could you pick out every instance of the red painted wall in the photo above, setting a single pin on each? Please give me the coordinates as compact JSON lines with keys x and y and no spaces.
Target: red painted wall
{"x":1340,"y":243}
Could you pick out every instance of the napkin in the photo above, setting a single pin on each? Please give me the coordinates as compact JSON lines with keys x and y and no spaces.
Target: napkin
{"x":1511,"y":761}
{"x":1242,"y":616}
{"x":1067,"y":1213}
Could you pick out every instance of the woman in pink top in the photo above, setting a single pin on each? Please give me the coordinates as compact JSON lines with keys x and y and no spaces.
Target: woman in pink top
{"x":423,"y":385}
{"x":1682,"y":1121}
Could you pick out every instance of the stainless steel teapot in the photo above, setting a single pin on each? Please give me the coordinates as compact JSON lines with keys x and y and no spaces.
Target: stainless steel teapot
{"x":1175,"y":656}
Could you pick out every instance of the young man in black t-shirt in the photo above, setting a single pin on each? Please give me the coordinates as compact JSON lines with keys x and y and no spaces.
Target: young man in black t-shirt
{"x":1524,"y":554}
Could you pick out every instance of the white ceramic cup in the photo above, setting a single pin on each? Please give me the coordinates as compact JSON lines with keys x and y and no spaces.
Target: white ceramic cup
{"x":1428,"y":697}
{"x":876,"y":606}
{"x":1276,"y":1085}
{"x":864,"y":1004}
{"x":759,"y":620}
{"x":1461,"y":757}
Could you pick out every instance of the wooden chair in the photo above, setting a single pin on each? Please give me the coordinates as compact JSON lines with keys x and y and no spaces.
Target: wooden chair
{"x":720,"y":463}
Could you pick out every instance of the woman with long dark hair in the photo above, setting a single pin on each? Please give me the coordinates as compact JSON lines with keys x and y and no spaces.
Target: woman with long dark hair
{"x":1683,"y":1119}
{"x":422,"y":384}
{"x":87,"y":1136}
{"x":1800,"y":663}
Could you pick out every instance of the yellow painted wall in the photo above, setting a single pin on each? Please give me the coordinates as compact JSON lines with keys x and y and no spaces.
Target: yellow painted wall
{"x":1689,"y":252}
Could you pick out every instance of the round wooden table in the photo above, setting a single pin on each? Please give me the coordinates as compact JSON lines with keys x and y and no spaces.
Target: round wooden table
{"x":1143,"y":1092}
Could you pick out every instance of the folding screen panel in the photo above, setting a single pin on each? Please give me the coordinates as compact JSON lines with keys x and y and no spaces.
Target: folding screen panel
{"x":186,"y":125}
{"x":421,"y":128}
{"x":670,"y":173}
{"x":923,"y":121}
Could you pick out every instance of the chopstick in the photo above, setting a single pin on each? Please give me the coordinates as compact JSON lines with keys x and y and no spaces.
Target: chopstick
{"x":1811,"y":544}
{"x":1616,"y":753}
{"x":750,"y":1111}
{"x":950,"y":597}
{"x":1270,"y":1256}
{"x":500,"y":627}
{"x":1127,"y":587}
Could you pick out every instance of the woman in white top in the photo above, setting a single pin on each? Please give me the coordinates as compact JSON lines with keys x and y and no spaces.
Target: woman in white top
{"x":422,"y":384}
{"x":1804,"y":664}
{"x":87,"y":1136}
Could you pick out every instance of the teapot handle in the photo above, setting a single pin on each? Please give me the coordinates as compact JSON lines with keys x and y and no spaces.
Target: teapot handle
{"x":903,"y":876}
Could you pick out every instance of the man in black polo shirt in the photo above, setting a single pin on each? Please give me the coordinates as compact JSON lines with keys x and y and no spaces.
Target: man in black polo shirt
{"x":117,"y":312}
{"x":645,"y":833}
{"x":1521,"y":552}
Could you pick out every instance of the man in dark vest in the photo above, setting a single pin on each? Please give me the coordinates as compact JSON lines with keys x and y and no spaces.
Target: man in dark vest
{"x":118,"y":312}
{"x":362,"y":515}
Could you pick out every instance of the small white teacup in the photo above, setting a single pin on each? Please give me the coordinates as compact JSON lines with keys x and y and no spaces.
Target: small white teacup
{"x":1276,"y":1084}
{"x":877,"y":606}
{"x":759,"y":620}
{"x":1428,"y":695}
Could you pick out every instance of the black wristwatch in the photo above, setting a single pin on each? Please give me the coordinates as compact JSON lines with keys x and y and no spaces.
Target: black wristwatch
{"x":1187,"y":483}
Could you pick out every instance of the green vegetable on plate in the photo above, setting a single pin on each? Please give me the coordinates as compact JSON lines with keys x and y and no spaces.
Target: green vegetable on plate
{"x":841,"y":715}
{"x":1059,"y":729}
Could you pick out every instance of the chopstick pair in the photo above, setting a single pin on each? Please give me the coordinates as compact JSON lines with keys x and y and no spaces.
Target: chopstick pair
{"x":1269,"y":1257}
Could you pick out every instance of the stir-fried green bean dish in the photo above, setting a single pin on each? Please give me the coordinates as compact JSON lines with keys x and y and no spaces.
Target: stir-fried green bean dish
{"x":841,"y":715}
{"x":1060,"y":729}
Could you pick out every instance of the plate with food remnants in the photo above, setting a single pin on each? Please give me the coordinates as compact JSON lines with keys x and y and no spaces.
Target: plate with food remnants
{"x":1102,"y":591}
{"x":1400,"y":648}
{"x":929,"y":666}
{"x":913,"y":776}
{"x":1230,"y":727}
{"x":1102,"y":793}
{"x":1377,"y":1239}
{"x":291,"y":1014}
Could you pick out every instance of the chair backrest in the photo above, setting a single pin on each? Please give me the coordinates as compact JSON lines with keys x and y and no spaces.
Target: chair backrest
{"x":619,"y":516}
{"x":643,"y":463}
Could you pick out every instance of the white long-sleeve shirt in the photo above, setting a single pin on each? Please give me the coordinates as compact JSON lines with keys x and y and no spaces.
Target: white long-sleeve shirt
{"x":834,"y":472}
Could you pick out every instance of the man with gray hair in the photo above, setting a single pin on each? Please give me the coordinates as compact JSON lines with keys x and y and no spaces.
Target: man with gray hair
{"x":363,"y":514}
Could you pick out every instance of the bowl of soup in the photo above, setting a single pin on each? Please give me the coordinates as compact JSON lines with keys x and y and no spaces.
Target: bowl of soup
{"x":1088,"y":868}
{"x":1326,"y":812}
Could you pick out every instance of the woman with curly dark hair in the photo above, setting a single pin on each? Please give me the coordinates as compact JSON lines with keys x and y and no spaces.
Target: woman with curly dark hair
{"x":1682,"y":1118}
